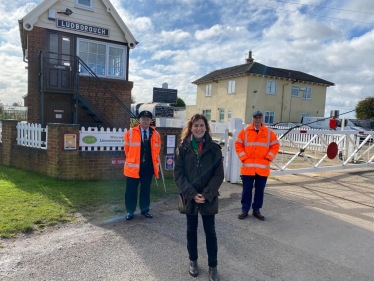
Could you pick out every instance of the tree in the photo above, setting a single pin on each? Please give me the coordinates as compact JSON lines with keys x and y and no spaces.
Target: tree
{"x":180,"y":103}
{"x":133,"y":99}
{"x":18,"y":103}
{"x":365,"y":108}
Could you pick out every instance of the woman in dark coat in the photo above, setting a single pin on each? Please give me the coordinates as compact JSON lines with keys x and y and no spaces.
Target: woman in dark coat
{"x":198,"y":173}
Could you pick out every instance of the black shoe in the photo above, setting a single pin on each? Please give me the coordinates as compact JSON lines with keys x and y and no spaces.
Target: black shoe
{"x":258,"y":215}
{"x":147,"y":215}
{"x":213,"y":274}
{"x":194,"y":271}
{"x":242,"y":215}
{"x":129,"y":216}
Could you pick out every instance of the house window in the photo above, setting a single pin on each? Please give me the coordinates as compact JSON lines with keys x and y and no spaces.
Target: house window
{"x":84,"y":4}
{"x":221,"y":115}
{"x":231,"y":87}
{"x":271,"y":87}
{"x":208,"y":90}
{"x":269,"y":117}
{"x":229,"y":114}
{"x":307,"y":93}
{"x":295,"y":91}
{"x":207,"y":113}
{"x":106,"y":60}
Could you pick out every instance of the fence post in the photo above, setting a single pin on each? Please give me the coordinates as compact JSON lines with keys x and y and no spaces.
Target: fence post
{"x":236,"y":125}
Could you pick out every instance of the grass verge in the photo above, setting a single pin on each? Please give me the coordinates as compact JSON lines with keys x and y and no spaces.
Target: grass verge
{"x":30,"y":201}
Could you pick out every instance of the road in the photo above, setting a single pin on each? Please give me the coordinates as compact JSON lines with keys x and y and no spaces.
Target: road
{"x":317,"y":227}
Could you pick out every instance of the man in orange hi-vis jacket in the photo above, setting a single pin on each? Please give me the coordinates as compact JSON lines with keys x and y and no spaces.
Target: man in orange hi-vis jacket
{"x":256,"y":146}
{"x":142,"y":148}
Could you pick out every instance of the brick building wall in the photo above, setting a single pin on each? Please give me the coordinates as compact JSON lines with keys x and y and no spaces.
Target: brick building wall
{"x":88,"y":87}
{"x":36,"y":43}
{"x":105,"y":102}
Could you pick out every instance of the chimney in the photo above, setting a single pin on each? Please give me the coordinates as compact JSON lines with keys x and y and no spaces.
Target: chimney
{"x":249,"y":59}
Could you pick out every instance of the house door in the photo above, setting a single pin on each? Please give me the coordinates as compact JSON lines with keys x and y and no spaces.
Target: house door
{"x":59,"y":62}
{"x":58,"y":112}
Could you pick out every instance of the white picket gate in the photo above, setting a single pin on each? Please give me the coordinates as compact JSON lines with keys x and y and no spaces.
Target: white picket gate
{"x":32,"y":135}
{"x":304,"y":151}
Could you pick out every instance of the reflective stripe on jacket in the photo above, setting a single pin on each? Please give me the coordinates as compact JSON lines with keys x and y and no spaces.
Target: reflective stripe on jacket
{"x":256,"y":150}
{"x":132,"y":149}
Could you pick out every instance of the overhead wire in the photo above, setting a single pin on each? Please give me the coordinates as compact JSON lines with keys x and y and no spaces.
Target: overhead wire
{"x":305,"y":13}
{"x":324,"y":7}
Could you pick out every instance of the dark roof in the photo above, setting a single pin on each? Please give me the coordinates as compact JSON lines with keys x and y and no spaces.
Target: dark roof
{"x":256,"y":68}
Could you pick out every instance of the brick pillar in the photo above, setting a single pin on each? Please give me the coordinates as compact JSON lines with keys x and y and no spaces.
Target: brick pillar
{"x":61,"y":163}
{"x":9,"y":138}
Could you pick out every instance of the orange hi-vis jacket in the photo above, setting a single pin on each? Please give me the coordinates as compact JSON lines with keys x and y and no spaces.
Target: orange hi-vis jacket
{"x":132,"y":148}
{"x":256,"y":150}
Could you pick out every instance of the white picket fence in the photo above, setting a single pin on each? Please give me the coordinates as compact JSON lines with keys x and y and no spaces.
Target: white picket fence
{"x":94,"y":139}
{"x":32,"y":135}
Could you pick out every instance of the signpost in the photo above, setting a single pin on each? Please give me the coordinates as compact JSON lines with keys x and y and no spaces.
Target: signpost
{"x":164,"y":95}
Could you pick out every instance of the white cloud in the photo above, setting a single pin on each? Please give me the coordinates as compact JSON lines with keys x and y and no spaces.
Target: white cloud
{"x":176,"y":36}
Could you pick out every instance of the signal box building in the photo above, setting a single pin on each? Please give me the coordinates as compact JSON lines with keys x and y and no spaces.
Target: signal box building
{"x":78,"y":60}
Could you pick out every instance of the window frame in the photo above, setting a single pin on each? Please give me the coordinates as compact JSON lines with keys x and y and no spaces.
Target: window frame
{"x":231,"y":87}
{"x":294,"y":87}
{"x":90,"y":8}
{"x":107,"y":54}
{"x":307,"y":90}
{"x":305,"y":115}
{"x":221,"y":113}
{"x":205,"y":113}
{"x":269,"y":114}
{"x":229,"y":114}
{"x":271,"y":92}
{"x":208,"y":90}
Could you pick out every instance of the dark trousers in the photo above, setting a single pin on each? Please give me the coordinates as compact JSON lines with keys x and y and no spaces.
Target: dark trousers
{"x":210,"y":238}
{"x":259,"y":183}
{"x":131,"y":193}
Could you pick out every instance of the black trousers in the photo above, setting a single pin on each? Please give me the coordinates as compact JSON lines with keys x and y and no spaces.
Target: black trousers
{"x":210,"y":238}
{"x":131,"y":193}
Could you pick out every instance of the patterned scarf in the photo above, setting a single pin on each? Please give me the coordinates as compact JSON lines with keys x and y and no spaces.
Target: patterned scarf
{"x":197,"y":146}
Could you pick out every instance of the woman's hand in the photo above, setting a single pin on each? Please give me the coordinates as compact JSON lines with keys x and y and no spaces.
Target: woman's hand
{"x":199,"y":199}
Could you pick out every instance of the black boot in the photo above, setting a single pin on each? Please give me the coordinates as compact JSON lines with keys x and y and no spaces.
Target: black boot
{"x":213,"y":275}
{"x":193,"y":269}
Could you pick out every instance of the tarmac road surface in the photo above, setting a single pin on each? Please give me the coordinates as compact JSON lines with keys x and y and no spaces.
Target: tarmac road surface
{"x":317,"y":227}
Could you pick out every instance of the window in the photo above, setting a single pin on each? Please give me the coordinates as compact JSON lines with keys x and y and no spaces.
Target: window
{"x":229,"y":114}
{"x":221,"y":115}
{"x":208,"y":90}
{"x":269,"y":117}
{"x":231,"y":87}
{"x":307,"y":93}
{"x":295,"y":91}
{"x":84,"y":4}
{"x":207,"y":113}
{"x":305,"y":115}
{"x":104,"y":59}
{"x":271,"y":87}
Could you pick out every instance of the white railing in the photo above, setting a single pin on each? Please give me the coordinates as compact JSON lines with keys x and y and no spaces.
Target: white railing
{"x":93,"y":139}
{"x":32,"y":135}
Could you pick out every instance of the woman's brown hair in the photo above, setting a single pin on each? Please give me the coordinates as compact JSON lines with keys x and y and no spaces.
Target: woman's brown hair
{"x":187,"y":129}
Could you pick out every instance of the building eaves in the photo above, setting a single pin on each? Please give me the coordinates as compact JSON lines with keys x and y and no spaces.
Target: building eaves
{"x":259,"y":69}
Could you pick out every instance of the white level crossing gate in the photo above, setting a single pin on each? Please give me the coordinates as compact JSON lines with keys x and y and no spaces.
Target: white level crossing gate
{"x":305,"y":151}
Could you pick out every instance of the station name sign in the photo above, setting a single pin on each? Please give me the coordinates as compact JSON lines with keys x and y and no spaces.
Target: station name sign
{"x":82,"y":27}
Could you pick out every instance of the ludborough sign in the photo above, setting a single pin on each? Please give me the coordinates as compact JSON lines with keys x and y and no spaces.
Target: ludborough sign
{"x":82,"y":27}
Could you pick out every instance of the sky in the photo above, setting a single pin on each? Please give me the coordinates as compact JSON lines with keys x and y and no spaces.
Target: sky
{"x":183,"y":40}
